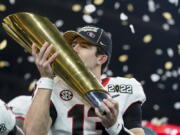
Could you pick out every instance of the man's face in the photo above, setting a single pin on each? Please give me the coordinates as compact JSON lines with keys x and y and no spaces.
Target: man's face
{"x":86,"y":51}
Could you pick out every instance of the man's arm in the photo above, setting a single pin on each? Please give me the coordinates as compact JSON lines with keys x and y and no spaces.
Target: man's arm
{"x":38,"y":119}
{"x":132,"y":119}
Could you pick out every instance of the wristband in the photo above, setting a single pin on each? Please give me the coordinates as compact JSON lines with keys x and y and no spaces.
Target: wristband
{"x":114,"y":129}
{"x":45,"y":83}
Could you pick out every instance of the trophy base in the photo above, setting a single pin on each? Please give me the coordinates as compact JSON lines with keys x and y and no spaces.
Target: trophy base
{"x":95,"y":98}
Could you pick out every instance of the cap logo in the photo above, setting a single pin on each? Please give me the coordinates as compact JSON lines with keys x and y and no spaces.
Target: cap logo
{"x":91,"y":34}
{"x":88,"y":29}
{"x":101,"y":43}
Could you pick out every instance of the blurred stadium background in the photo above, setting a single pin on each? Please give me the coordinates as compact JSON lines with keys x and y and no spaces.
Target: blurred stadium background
{"x":146,"y":45}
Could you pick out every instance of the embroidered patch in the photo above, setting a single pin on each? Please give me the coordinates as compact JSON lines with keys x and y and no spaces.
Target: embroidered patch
{"x":91,"y":34}
{"x":66,"y":95}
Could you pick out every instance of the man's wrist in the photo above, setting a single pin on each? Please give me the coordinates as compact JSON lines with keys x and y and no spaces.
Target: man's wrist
{"x":114,"y":129}
{"x":45,"y":83}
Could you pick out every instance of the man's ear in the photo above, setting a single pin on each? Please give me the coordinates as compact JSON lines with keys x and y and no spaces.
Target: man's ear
{"x":102,"y":59}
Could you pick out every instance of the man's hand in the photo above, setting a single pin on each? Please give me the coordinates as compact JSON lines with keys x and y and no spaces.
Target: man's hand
{"x":111,"y":112}
{"x":42,"y":59}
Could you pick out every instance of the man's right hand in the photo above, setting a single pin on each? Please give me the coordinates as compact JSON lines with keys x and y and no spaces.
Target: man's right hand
{"x":42,"y":59}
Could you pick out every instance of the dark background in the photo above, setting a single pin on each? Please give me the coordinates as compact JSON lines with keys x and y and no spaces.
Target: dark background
{"x":18,"y":72}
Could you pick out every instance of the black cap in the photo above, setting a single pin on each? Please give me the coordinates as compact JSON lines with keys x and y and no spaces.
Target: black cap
{"x":92,"y":34}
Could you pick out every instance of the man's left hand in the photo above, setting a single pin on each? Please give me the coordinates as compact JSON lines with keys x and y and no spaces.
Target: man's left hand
{"x":111,"y":108}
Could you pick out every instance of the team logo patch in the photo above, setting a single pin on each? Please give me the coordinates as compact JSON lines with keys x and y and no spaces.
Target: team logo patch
{"x":66,"y":95}
{"x":91,"y":34}
{"x":2,"y":128}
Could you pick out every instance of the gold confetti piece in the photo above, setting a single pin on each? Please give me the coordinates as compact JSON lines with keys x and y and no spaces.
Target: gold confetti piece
{"x":3,"y":44}
{"x":2,"y":7}
{"x":4,"y":64}
{"x":124,"y":23}
{"x":123,"y":58}
{"x":76,"y":7}
{"x":167,"y":15}
{"x":130,"y":7}
{"x":178,"y":46}
{"x":128,"y":75}
{"x":32,"y":85}
{"x":168,"y":65}
{"x":98,"y":2}
{"x":147,"y":38}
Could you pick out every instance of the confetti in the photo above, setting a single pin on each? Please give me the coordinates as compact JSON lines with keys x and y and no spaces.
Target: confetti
{"x":156,"y":107}
{"x":128,"y":75}
{"x":32,"y":85}
{"x":116,"y":5}
{"x":27,"y":76}
{"x":177,"y":105}
{"x":123,"y":17}
{"x":100,"y":12}
{"x":89,"y":8}
{"x":167,"y":15}
{"x":76,"y":7}
{"x":165,"y":26}
{"x":158,"y":51}
{"x":170,"y":52}
{"x":168,"y":65}
{"x":88,"y":18}
{"x":30,"y":59}
{"x":4,"y":64}
{"x":126,"y":47}
{"x":132,"y":28}
{"x":2,"y":7}
{"x":59,"y":23}
{"x":125,"y":68}
{"x":155,"y":77}
{"x":98,"y":2}
{"x":3,"y":44}
{"x":130,"y":7}
{"x":12,"y":2}
{"x":151,"y":6}
{"x":145,"y":18}
{"x":19,"y":60}
{"x":175,"y":2}
{"x":147,"y":38}
{"x":175,"y":86}
{"x":123,"y":58}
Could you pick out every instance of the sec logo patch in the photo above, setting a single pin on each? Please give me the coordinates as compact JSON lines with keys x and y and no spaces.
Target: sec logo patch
{"x":66,"y":95}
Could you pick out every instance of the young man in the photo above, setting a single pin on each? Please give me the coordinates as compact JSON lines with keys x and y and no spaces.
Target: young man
{"x":71,"y":115}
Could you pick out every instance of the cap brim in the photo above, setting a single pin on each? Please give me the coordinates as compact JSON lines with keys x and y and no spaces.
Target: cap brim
{"x":69,"y":36}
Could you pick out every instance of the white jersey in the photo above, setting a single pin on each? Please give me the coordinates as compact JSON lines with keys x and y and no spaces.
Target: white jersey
{"x":74,"y":114}
{"x":7,"y":119}
{"x":20,"y":105}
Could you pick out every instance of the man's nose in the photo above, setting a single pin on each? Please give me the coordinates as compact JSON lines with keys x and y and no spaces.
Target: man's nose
{"x":76,"y":47}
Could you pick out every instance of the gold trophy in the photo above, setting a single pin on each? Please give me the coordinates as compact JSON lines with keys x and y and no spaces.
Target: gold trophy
{"x":28,"y":28}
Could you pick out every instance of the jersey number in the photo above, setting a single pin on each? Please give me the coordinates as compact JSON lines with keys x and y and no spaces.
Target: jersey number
{"x":77,"y":114}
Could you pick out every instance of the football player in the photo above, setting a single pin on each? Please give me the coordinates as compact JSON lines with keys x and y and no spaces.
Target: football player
{"x":71,"y":115}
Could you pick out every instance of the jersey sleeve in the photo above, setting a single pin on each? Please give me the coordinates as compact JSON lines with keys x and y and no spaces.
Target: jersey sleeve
{"x":133,"y":116}
{"x":137,"y":94}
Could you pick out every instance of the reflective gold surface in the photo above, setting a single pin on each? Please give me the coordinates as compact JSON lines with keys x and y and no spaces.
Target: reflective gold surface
{"x":27,"y":28}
